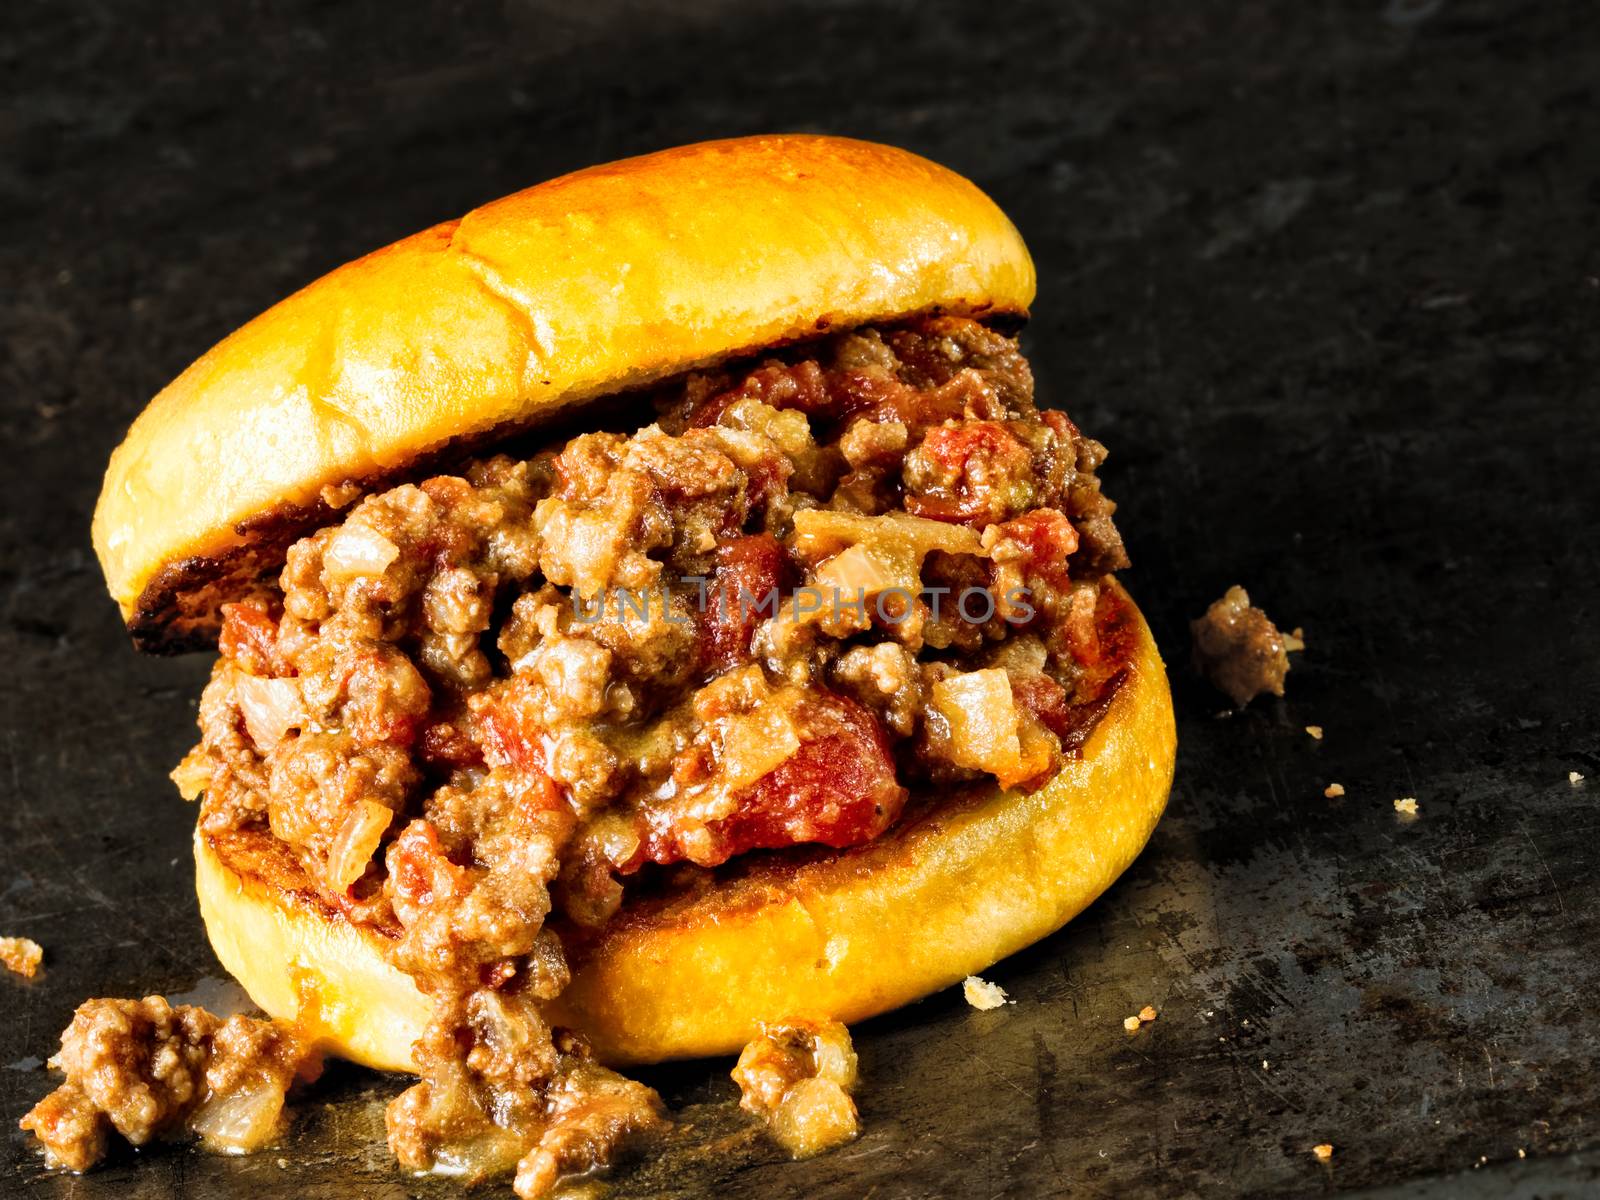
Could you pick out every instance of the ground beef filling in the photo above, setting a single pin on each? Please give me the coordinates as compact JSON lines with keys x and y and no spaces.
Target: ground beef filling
{"x":815,"y":584}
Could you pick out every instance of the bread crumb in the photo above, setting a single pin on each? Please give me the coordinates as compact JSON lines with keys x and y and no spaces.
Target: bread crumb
{"x":1295,"y":641}
{"x":1131,"y":1024}
{"x":1333,"y":791}
{"x":1521,"y":1153}
{"x":1315,"y":731}
{"x":21,"y":955}
{"x":1406,"y":806}
{"x":1147,"y":1013}
{"x":1323,"y":1152}
{"x":1265,"y":1065}
{"x":1574,"y":778}
{"x":983,"y":995}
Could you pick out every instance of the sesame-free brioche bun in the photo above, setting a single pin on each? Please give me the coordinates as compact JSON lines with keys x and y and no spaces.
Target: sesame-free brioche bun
{"x":608,"y":279}
{"x":818,"y":934}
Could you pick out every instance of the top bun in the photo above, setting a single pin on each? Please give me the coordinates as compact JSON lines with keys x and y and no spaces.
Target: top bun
{"x":615,"y":277}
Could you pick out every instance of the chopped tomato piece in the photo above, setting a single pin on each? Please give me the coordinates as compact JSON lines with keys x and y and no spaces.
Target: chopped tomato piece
{"x":972,"y":474}
{"x":421,"y":876}
{"x":741,"y":595}
{"x":508,"y":729}
{"x":249,"y":636}
{"x":1052,"y":706}
{"x":838,"y":789}
{"x":1049,"y":540}
{"x":802,"y":387}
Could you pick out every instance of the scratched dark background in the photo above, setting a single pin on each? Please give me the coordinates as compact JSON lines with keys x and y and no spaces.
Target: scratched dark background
{"x":1325,"y":279}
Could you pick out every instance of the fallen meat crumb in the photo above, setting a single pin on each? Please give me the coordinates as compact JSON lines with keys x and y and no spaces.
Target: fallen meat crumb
{"x":146,"y":1070}
{"x":1323,"y":1152}
{"x":1574,"y":778}
{"x":799,"y":1076}
{"x":982,"y":994}
{"x":1406,"y":805}
{"x":1239,"y":649}
{"x":1315,"y":731}
{"x":1333,"y":791}
{"x":1147,"y":1013}
{"x":21,"y":955}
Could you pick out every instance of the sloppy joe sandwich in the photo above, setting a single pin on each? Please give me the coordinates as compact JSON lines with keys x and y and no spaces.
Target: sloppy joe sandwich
{"x":654,"y":618}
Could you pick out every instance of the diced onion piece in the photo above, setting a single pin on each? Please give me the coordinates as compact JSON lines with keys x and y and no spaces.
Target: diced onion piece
{"x":357,"y":549}
{"x":834,"y":1055}
{"x":356,"y":842}
{"x":193,"y":774}
{"x":857,"y":571}
{"x":618,"y":838}
{"x":241,"y":1119}
{"x":817,"y":531}
{"x":814,"y":1115}
{"x":271,"y":708}
{"x":983,"y":722}
{"x":875,"y":553}
{"x":481,"y":1156}
{"x":756,"y":743}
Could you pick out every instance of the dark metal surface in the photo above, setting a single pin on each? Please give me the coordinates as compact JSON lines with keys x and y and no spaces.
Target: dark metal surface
{"x":1324,"y":277}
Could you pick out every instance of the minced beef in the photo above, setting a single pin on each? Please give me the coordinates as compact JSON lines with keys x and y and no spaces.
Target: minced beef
{"x":1239,"y":649}
{"x":816,"y":583}
{"x":148,"y":1070}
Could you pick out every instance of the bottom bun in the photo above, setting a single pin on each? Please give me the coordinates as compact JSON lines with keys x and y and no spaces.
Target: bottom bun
{"x":809,"y":933}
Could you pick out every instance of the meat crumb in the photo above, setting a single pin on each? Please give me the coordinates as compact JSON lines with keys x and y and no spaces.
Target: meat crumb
{"x":1406,"y":805}
{"x":1239,"y":649}
{"x":1147,"y":1013}
{"x":21,"y":955}
{"x":1574,"y":778}
{"x":982,"y":994}
{"x":798,"y":1076}
{"x":1323,"y":1152}
{"x":147,"y":1070}
{"x":1333,"y":791}
{"x":1315,"y":731}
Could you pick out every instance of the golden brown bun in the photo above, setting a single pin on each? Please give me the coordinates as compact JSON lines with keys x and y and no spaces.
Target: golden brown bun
{"x":607,"y":279}
{"x":826,"y":935}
